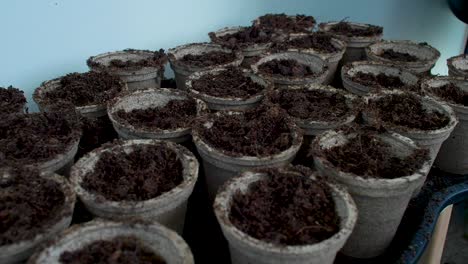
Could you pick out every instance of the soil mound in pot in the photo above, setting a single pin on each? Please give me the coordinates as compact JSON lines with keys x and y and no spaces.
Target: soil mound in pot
{"x":383,"y":81}
{"x":289,"y":24}
{"x":230,"y":82}
{"x":83,"y":89}
{"x":261,"y":131}
{"x":175,"y":114}
{"x":286,"y":209}
{"x":11,"y":100}
{"x":28,"y":204}
{"x":122,"y":249}
{"x":398,"y":56}
{"x":370,"y":157}
{"x":209,"y":59}
{"x":246,"y":36}
{"x":96,"y":131}
{"x":316,"y":105}
{"x":145,"y":173}
{"x":452,"y":94}
{"x":36,"y":137}
{"x":343,"y":28}
{"x":320,"y":41}
{"x":286,"y":67}
{"x":407,"y":110}
{"x":158,"y":60}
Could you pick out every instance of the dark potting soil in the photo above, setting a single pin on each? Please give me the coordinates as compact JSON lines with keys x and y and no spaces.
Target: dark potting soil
{"x":158,"y":60}
{"x":211,"y":58}
{"x":286,"y":209}
{"x":230,"y":82}
{"x":12,"y":100}
{"x":319,"y":41}
{"x":28,"y":205}
{"x":175,"y":114}
{"x":36,"y":137}
{"x":95,"y":132}
{"x":369,"y":157}
{"x":398,"y":56}
{"x":286,"y":67}
{"x":262,"y":131}
{"x":451,"y":93}
{"x":301,"y":23}
{"x":407,"y":110}
{"x":383,"y":81}
{"x":143,"y":174}
{"x":119,"y":250}
{"x":344,"y":28}
{"x":88,"y":88}
{"x":314,"y":105}
{"x":244,"y":37}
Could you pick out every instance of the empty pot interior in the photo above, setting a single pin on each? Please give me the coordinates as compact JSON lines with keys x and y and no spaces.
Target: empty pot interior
{"x":420,"y":51}
{"x":145,"y":100}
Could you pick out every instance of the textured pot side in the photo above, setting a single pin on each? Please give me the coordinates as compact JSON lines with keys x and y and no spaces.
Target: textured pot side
{"x":62,"y":162}
{"x":20,"y":251}
{"x":426,"y":54}
{"x":246,"y":249}
{"x":349,"y":70}
{"x":135,"y":78}
{"x":453,"y":154}
{"x":355,"y":46}
{"x":162,"y":241}
{"x":182,"y":70}
{"x":332,"y":59}
{"x":168,"y":208}
{"x":381,"y":202}
{"x":220,"y":167}
{"x":248,"y":50}
{"x":144,"y":99}
{"x":458,"y":66}
{"x":228,"y":103}
{"x":317,"y":65}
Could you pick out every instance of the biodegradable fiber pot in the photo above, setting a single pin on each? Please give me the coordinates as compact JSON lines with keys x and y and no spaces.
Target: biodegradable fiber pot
{"x":20,"y":251}
{"x":355,"y":45}
{"x":135,"y":77}
{"x":458,"y":66}
{"x":182,"y":69}
{"x":247,"y":249}
{"x":160,"y":240}
{"x":168,"y":208}
{"x":228,"y":102}
{"x":332,"y":59}
{"x":381,"y":202}
{"x":425,"y":55}
{"x":351,"y":69}
{"x":453,"y":154}
{"x":145,"y":99}
{"x":431,"y":139}
{"x":316,"y":64}
{"x":220,"y":166}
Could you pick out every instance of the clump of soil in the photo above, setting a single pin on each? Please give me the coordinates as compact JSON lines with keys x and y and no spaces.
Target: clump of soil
{"x":36,"y":137}
{"x":158,"y":60}
{"x":370,"y":157}
{"x":118,"y":250}
{"x":406,"y":110}
{"x":262,"y":131}
{"x":314,"y":105}
{"x":175,"y":114}
{"x":246,"y":36}
{"x":209,"y":59}
{"x":319,"y":41}
{"x":96,"y":131}
{"x":398,"y":56}
{"x":83,"y":89}
{"x":29,"y":204}
{"x":297,"y":24}
{"x":286,"y":209}
{"x":12,"y":100}
{"x":231,"y":82}
{"x":145,"y":173}
{"x":451,"y":93}
{"x":286,"y":67}
{"x":344,"y":28}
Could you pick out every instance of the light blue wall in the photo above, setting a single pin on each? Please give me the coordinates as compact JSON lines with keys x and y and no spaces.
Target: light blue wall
{"x":42,"y":39}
